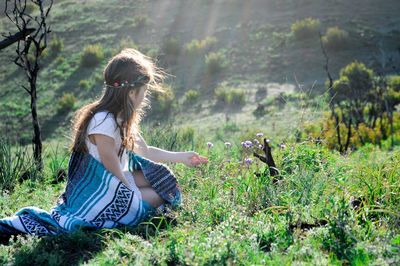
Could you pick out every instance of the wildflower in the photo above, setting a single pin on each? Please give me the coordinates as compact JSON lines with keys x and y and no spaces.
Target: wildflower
{"x":210,"y":145}
{"x":259,"y":135}
{"x":282,"y":146}
{"x":256,"y":142}
{"x":260,"y":146}
{"x":248,"y":161}
{"x":228,"y":144}
{"x":248,"y":144}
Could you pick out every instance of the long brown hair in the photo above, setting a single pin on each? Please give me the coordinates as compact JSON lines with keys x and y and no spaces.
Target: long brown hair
{"x":132,"y":66}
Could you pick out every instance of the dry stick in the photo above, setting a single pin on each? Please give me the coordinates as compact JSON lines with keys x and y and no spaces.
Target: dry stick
{"x":268,"y":159}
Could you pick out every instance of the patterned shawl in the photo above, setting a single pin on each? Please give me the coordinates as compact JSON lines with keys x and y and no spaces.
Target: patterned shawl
{"x":94,"y":198}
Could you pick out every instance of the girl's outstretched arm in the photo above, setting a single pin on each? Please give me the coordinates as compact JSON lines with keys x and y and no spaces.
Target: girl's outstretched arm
{"x":189,"y":158}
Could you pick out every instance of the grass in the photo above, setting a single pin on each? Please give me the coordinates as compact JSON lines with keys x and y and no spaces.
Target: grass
{"x":231,"y":216}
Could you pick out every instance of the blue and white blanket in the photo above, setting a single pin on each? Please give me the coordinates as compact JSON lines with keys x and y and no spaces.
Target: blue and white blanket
{"x":95,"y":198}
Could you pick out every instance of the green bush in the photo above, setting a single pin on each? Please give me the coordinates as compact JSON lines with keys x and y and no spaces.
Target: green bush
{"x":356,"y":81}
{"x":162,"y":104}
{"x":215,"y":63}
{"x":335,"y":39}
{"x":230,"y":96}
{"x":92,"y":55}
{"x":197,"y":47}
{"x":67,"y":102}
{"x":394,"y":83}
{"x":306,"y":28}
{"x":56,"y":45}
{"x":191,"y":97}
{"x":84,"y":84}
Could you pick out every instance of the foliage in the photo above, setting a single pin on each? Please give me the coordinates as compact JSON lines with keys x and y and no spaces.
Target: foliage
{"x":227,"y":96}
{"x":215,"y":63}
{"x":66,"y":102}
{"x":162,"y":104}
{"x":198,"y":47}
{"x":84,"y":84}
{"x":56,"y":45}
{"x":305,"y":28}
{"x":191,"y":97}
{"x":92,"y":55}
{"x":336,"y":39}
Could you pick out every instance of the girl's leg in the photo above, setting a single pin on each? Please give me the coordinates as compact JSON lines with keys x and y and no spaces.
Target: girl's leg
{"x":151,"y":196}
{"x":140,"y":180}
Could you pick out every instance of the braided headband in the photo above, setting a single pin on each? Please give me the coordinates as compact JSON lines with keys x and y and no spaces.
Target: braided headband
{"x":142,"y":80}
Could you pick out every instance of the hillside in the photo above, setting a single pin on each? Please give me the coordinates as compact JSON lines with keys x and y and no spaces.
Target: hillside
{"x":253,"y":37}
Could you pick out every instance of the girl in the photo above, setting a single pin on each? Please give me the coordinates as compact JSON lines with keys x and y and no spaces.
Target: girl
{"x":114,"y":177}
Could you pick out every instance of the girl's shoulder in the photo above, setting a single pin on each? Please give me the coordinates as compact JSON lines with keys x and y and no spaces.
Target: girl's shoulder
{"x":102,"y":120}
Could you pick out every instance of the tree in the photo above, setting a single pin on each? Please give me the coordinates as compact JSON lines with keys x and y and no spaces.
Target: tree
{"x":31,"y":40}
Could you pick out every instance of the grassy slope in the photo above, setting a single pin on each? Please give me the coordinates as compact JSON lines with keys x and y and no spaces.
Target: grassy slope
{"x":253,"y":35}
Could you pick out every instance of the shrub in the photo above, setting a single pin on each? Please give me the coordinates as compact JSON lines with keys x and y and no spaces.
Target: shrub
{"x":162,"y":104}
{"x":335,"y":39}
{"x":191,"y":97}
{"x":394,"y":83}
{"x":306,"y":28}
{"x":56,"y":45}
{"x":84,"y":84}
{"x":215,"y":62}
{"x":92,"y":55}
{"x":67,"y":102}
{"x":230,"y":96}
{"x":355,"y":82}
{"x":197,"y":47}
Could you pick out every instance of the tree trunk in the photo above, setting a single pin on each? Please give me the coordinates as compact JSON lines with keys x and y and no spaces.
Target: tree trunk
{"x":37,"y":139}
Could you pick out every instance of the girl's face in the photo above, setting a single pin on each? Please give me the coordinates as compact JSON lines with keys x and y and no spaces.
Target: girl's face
{"x":137,"y":96}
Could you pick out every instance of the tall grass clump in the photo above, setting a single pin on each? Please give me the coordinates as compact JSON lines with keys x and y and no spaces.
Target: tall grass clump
{"x":306,"y":28}
{"x":336,"y":39}
{"x":92,"y":55}
{"x":15,"y":162}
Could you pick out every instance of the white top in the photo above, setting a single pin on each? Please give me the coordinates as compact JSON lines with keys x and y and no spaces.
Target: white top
{"x":103,"y":123}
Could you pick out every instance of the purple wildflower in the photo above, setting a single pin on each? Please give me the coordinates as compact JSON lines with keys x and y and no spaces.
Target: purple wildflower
{"x":228,"y":144}
{"x":248,"y":161}
{"x":248,"y":144}
{"x":256,"y":142}
{"x":210,"y":145}
{"x":259,"y":135}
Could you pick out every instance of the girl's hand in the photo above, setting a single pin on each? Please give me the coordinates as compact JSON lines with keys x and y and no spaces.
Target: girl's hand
{"x":192,"y":158}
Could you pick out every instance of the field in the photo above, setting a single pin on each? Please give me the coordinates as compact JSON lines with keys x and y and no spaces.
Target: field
{"x":236,"y":68}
